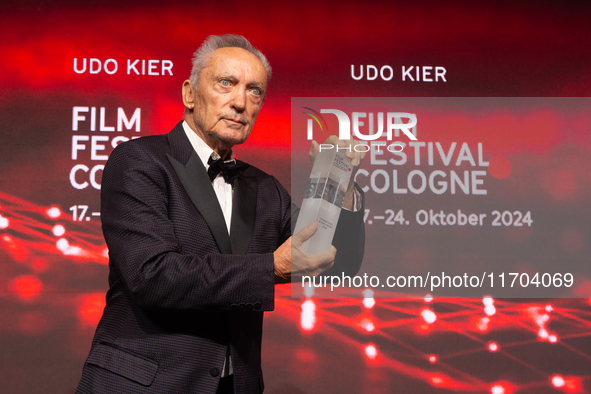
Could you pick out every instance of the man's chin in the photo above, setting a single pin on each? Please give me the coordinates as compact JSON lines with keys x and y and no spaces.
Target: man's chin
{"x":231,"y":140}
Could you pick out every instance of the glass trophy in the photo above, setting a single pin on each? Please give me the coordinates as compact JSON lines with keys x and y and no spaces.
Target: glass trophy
{"x":324,"y":197}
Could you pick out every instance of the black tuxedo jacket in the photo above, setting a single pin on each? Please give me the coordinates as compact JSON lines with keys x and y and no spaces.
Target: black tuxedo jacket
{"x":183,"y":291}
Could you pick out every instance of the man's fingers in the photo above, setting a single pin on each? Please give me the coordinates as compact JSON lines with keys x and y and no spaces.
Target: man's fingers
{"x":318,"y":271}
{"x":350,"y":152}
{"x":325,"y":258}
{"x":305,"y":233}
{"x":330,"y":253}
{"x":347,"y":146}
{"x":314,"y":270}
{"x":333,"y":140}
{"x":314,"y":149}
{"x":355,"y":156}
{"x":361,"y":157}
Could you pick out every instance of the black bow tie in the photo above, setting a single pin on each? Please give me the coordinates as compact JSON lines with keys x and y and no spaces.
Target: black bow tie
{"x":230,"y":170}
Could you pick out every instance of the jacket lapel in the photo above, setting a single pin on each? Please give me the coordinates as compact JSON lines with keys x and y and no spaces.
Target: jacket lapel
{"x":244,"y":204}
{"x":196,"y":183}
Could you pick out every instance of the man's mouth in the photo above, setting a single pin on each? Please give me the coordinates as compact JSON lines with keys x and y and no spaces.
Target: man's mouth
{"x":236,"y":120}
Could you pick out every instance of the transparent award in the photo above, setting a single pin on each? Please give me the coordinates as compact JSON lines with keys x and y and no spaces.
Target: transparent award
{"x":324,"y":197}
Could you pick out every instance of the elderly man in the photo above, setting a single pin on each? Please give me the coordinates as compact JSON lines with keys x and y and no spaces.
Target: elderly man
{"x":197,"y":241}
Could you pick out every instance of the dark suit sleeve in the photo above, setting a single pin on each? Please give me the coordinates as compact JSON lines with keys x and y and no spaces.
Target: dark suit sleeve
{"x":288,"y":211}
{"x":349,"y":239}
{"x":146,"y":255}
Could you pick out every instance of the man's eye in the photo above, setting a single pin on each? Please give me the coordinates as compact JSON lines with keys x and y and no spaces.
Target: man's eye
{"x":256,"y":91}
{"x":225,"y":82}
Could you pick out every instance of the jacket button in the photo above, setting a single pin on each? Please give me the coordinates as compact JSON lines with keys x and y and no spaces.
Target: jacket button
{"x":233,"y":307}
{"x":258,"y":305}
{"x":249,"y":307}
{"x":242,"y":306}
{"x":214,"y":372}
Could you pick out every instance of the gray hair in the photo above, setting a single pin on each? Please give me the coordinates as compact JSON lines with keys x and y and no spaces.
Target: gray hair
{"x":212,"y":43}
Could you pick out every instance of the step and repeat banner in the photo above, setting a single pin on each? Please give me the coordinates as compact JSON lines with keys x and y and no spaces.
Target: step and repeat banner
{"x":475,"y":124}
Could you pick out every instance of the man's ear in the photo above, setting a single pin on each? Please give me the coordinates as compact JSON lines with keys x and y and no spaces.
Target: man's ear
{"x":188,"y":91}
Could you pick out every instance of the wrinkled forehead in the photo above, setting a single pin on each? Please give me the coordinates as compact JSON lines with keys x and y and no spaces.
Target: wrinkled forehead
{"x":236,"y":62}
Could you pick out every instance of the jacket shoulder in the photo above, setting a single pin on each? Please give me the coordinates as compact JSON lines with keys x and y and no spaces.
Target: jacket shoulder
{"x":149,"y":143}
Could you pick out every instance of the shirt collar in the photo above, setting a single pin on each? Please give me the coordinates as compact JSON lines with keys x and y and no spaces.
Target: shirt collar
{"x":203,"y":150}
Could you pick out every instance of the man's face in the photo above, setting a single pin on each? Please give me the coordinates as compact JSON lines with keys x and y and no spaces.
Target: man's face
{"x":229,"y":97}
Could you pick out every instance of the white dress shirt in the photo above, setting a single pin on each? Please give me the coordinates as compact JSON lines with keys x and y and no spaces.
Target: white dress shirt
{"x":223,"y":190}
{"x":224,"y":193}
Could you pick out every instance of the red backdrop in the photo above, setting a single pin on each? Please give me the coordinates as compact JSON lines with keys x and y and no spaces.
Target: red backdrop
{"x":54,"y":274}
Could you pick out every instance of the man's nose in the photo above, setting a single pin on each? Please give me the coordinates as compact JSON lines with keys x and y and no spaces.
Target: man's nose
{"x":239,"y":99}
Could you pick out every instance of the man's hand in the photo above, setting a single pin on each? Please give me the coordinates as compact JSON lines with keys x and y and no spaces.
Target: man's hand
{"x":292,"y":262}
{"x":356,"y":158}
